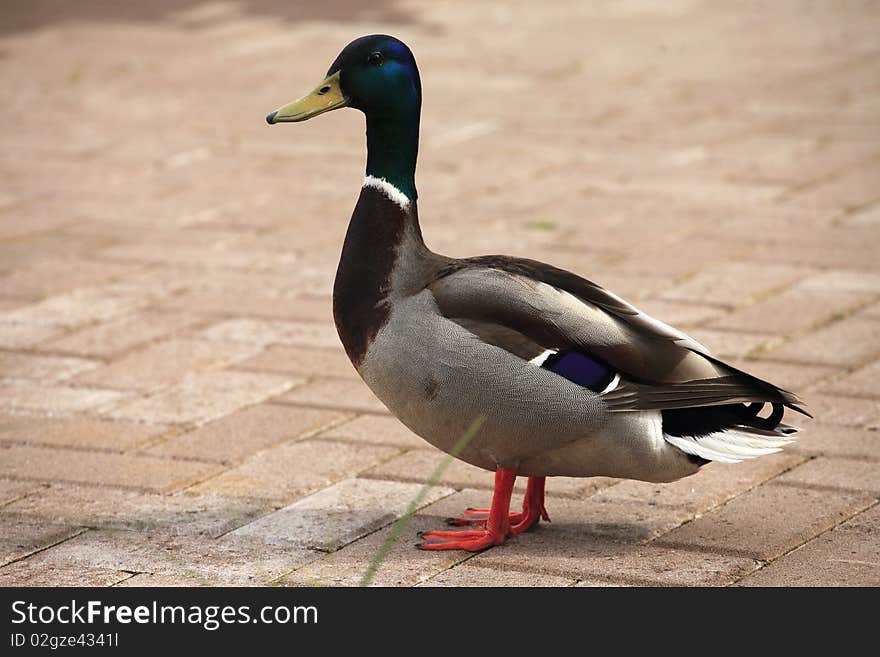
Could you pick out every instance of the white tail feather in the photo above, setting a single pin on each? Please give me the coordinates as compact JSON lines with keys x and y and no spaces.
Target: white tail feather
{"x":729,"y":446}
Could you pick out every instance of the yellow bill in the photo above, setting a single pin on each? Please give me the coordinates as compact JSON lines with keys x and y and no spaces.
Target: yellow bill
{"x":325,"y":97}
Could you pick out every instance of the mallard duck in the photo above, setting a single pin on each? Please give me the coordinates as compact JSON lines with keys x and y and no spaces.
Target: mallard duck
{"x":564,"y":377}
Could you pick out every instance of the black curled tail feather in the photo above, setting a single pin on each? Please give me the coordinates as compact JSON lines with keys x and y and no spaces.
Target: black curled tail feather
{"x":769,"y":423}
{"x":705,"y":420}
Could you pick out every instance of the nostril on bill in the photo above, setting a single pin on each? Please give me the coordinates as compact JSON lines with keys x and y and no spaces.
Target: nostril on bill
{"x":323,"y":90}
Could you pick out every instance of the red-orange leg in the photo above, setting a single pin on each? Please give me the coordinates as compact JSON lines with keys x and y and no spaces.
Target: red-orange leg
{"x":532,"y":511}
{"x":497,"y":525}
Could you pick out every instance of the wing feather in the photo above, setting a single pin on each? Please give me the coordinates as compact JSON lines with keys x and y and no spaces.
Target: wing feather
{"x":526,"y":307}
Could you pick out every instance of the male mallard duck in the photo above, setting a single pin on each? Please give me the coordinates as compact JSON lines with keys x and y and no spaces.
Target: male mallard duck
{"x":568,"y":378}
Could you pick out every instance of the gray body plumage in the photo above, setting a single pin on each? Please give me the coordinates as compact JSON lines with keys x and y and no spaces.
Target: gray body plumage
{"x":451,"y":341}
{"x":437,"y":378}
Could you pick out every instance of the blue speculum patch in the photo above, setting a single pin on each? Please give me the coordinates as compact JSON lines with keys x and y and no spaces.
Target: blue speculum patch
{"x":580,"y":369}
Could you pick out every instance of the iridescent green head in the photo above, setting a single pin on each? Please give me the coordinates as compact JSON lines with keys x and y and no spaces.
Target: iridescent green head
{"x":376,"y":74}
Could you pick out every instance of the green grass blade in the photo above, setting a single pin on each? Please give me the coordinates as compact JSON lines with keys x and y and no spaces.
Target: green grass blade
{"x":403,"y":522}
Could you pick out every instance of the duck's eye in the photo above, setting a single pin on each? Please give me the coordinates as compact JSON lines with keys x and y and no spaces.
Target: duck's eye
{"x":375,"y":59}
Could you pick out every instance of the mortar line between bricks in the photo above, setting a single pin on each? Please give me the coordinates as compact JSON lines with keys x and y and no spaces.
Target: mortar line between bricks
{"x":310,"y":434}
{"x":138,"y":451}
{"x":767,"y":293}
{"x":391,"y":521}
{"x":763,"y":564}
{"x":850,"y":210}
{"x":101,"y":256}
{"x":32,"y":351}
{"x":579,"y":577}
{"x":468,"y":556}
{"x":134,"y":451}
{"x":861,"y":458}
{"x":799,"y":188}
{"x":20,"y":237}
{"x":354,"y":441}
{"x":184,"y":331}
{"x":823,"y":488}
{"x":80,"y":531}
{"x":38,"y":488}
{"x":280,"y":580}
{"x":696,"y":303}
{"x":322,"y":377}
{"x":349,"y":409}
{"x":168,"y":490}
{"x":840,"y":369}
{"x":309,"y":491}
{"x":129,"y":575}
{"x":831,"y":319}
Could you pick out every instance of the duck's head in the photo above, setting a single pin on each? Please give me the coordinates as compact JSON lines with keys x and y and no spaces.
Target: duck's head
{"x":376,"y":74}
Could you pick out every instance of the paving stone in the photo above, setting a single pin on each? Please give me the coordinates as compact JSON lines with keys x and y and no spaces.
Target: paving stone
{"x":155,"y":580}
{"x":239,"y":435}
{"x":55,"y":276}
{"x":77,"y":432}
{"x":338,"y":515}
{"x":791,"y":376}
{"x":753,"y":524}
{"x":797,"y":308}
{"x":301,"y":361}
{"x":595,"y":583}
{"x":732,"y":344}
{"x":54,"y":399}
{"x":836,"y":473}
{"x":861,"y":383}
{"x":11,"y":490}
{"x":847,"y":343}
{"x":735,"y":283}
{"x":861,"y":281}
{"x":292,"y":470}
{"x":845,"y":411}
{"x":103,"y":468}
{"x":713,"y":485}
{"x":34,"y":572}
{"x":404,"y":565}
{"x":118,"y":335}
{"x":202,"y":397}
{"x":316,"y":335}
{"x":14,"y":335}
{"x":165,"y":363}
{"x":348,"y":395}
{"x":227,"y":256}
{"x":375,"y":430}
{"x":618,"y":518}
{"x":11,"y":303}
{"x":228,"y":562}
{"x":254,"y":303}
{"x":468,"y":575}
{"x":19,"y":539}
{"x":679,"y":314}
{"x":873,"y":311}
{"x":820,"y":439}
{"x":106,"y":508}
{"x":421,"y":464}
{"x":42,"y":368}
{"x":848,"y":555}
{"x":755,"y":230}
{"x":76,"y":308}
{"x":607,"y":560}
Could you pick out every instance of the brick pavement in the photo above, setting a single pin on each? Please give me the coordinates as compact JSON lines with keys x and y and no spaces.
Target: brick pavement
{"x":176,"y":408}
